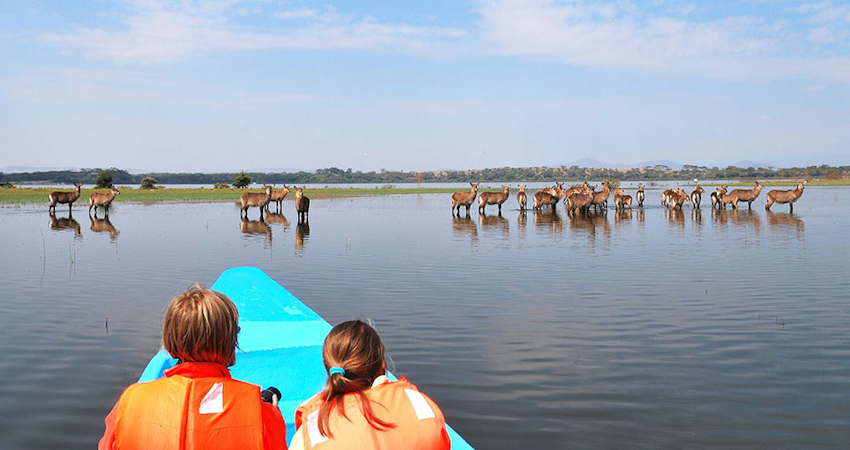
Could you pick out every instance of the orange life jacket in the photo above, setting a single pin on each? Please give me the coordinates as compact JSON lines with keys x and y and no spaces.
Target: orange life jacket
{"x":419,"y":422}
{"x":181,"y":413}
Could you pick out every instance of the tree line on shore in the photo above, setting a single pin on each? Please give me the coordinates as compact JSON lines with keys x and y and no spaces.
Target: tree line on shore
{"x":336,"y":175}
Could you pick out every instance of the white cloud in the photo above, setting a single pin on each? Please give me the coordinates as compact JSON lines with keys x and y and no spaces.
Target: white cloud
{"x":666,"y":38}
{"x":598,"y":35}
{"x":160,"y":33}
{"x":297,"y":14}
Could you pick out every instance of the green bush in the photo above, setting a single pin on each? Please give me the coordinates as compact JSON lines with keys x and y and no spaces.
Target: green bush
{"x":221,"y":186}
{"x":103,"y":179}
{"x":148,"y":183}
{"x":242,"y":180}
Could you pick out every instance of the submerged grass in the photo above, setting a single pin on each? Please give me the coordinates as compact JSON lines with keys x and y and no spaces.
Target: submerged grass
{"x":39,"y":195}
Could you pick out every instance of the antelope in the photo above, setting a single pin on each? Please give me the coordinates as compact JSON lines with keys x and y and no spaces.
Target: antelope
{"x":696,"y":196}
{"x":640,"y":195}
{"x":676,"y":199}
{"x":543,"y":198}
{"x":65,"y":223}
{"x":64,"y":197}
{"x":103,"y":225}
{"x":493,"y":198}
{"x":250,"y":199}
{"x":665,"y":196}
{"x":725,"y":198}
{"x":574,"y":190}
{"x":715,"y":198}
{"x":581,"y":201}
{"x":302,"y":205}
{"x":521,"y":198}
{"x":558,"y":191}
{"x":277,"y":198}
{"x":621,"y":200}
{"x":102,"y":200}
{"x":461,"y":198}
{"x":748,"y":195}
{"x":785,"y":196}
{"x":600,"y":199}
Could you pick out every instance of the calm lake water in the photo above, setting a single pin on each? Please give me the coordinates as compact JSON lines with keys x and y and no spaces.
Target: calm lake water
{"x":650,"y":329}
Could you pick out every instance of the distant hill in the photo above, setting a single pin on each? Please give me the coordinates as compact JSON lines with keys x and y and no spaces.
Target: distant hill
{"x":24,"y":169}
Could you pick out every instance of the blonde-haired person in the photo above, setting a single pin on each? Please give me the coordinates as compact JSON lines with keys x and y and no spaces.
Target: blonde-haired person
{"x":360,"y":408}
{"x":197,"y":404}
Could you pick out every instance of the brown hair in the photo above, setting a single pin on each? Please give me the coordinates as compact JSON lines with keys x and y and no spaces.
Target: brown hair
{"x":201,"y":326}
{"x":355,"y":347}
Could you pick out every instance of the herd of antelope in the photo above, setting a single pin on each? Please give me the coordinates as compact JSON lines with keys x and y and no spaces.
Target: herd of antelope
{"x":582,"y":198}
{"x":262,"y":201}
{"x":248,"y":199}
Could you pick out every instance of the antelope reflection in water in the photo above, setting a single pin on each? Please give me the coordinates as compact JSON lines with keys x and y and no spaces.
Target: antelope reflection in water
{"x":256,"y":227}
{"x":590,"y":222}
{"x":786,"y":221}
{"x":696,"y":217}
{"x":277,"y":218}
{"x":675,"y":216}
{"x":463,"y":226}
{"x":522,"y":222}
{"x":640,"y":215}
{"x":622,"y":217}
{"x":65,"y":223}
{"x":302,"y":235}
{"x":549,"y":219}
{"x":737,"y":217}
{"x":496,"y":222}
{"x":104,"y":226}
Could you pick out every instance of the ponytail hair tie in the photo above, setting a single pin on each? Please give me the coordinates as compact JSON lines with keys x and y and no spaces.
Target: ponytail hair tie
{"x":338,"y":370}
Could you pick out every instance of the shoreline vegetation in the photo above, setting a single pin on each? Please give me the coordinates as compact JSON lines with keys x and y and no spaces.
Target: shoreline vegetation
{"x":335,"y":175}
{"x":24,"y":195}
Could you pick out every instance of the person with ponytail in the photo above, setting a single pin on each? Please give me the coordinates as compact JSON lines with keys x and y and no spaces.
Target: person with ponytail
{"x":360,"y":408}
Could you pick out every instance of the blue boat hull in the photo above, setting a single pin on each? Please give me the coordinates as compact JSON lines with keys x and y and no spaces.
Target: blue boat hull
{"x":280,"y":341}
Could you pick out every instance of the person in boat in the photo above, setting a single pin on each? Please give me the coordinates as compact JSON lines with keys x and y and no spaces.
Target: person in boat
{"x":197,"y":404}
{"x":360,"y":408}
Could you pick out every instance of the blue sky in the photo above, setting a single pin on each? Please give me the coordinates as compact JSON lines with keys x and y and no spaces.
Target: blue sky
{"x":229,"y":85}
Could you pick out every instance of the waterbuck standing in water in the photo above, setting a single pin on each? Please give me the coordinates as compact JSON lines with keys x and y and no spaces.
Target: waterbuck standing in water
{"x":785,"y":196}
{"x":260,"y":201}
{"x":461,"y":198}
{"x":102,"y":200}
{"x":64,"y":197}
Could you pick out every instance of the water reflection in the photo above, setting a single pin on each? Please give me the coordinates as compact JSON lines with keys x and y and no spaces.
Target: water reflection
{"x":256,"y":228}
{"x":522,"y":223}
{"x":496,"y":222}
{"x":463,"y":227}
{"x":549,"y":219}
{"x":640,"y":214}
{"x":302,"y":235}
{"x":65,"y":223}
{"x":787,"y":222}
{"x":277,"y":218}
{"x":675,"y":217}
{"x":104,"y":226}
{"x":622,"y":217}
{"x":696,"y":217}
{"x":738,"y":218}
{"x":590,"y":223}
